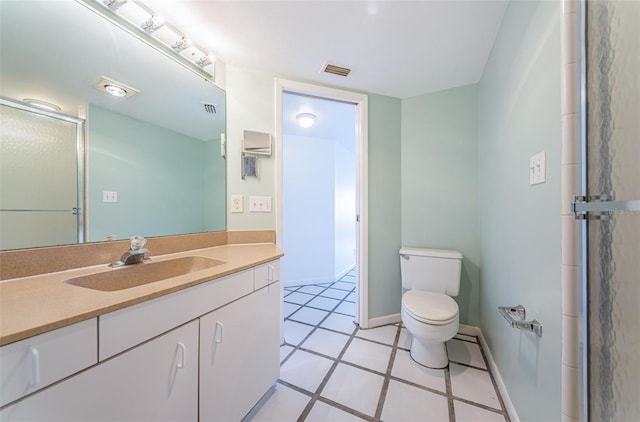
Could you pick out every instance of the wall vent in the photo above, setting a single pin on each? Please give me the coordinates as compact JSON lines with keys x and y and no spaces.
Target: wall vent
{"x":209,"y":107}
{"x":335,"y":70}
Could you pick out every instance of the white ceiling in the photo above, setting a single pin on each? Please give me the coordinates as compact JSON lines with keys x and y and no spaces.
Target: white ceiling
{"x":395,"y":48}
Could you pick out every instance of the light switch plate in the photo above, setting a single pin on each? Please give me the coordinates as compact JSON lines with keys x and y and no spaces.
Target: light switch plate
{"x":109,"y":196}
{"x":236,"y":203}
{"x":260,"y":203}
{"x":538,"y":169}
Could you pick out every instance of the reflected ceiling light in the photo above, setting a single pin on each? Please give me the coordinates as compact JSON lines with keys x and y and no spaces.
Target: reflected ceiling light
{"x":181,"y":44}
{"x":114,"y":88}
{"x":152,"y":24}
{"x":306,"y":120}
{"x":114,"y":4}
{"x":45,"y":105}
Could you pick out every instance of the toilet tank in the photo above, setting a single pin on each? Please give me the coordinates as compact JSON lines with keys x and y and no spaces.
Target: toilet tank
{"x":433,"y":270}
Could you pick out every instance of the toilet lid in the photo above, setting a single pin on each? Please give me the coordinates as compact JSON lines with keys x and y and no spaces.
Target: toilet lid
{"x":429,"y":307}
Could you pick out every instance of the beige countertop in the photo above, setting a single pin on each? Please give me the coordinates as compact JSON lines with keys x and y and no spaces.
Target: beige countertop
{"x":37,"y":304}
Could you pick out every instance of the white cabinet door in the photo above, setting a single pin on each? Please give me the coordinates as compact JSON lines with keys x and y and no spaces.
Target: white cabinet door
{"x":156,"y":381}
{"x":239,"y":355}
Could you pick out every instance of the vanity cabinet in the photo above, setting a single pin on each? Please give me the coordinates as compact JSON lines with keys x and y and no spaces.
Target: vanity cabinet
{"x":157,"y":381}
{"x":239,"y":354}
{"x":208,"y":352}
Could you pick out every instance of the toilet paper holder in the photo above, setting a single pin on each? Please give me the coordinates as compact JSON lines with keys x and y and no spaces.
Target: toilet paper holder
{"x":522,"y":324}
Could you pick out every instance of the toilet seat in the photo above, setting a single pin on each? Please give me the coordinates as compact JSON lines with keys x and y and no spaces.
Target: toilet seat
{"x":429,"y":307}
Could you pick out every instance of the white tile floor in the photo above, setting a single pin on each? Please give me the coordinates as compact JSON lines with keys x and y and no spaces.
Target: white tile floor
{"x":333,"y":371}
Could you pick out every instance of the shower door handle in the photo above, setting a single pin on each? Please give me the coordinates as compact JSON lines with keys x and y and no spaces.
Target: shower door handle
{"x":582,"y":205}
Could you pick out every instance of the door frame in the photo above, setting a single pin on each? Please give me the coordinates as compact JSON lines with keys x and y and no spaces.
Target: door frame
{"x":362,"y":177}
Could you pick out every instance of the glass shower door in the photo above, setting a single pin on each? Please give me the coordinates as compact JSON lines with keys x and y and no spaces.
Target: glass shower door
{"x":613,"y":217}
{"x":40,"y":177}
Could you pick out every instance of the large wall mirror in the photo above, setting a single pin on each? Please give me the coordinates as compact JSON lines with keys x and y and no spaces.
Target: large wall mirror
{"x":152,"y":162}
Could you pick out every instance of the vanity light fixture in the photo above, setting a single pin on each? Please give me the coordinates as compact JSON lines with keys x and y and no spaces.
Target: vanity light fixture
{"x":114,"y":4}
{"x":42,"y":104}
{"x":181,"y":44}
{"x":204,"y":61}
{"x":306,"y":120}
{"x":152,"y":24}
{"x":155,"y":32}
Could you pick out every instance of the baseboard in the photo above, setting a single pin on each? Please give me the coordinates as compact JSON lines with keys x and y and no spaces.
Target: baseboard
{"x":295,"y":283}
{"x":344,"y":272}
{"x":385,"y":320}
{"x":469,"y":330}
{"x":493,"y":368}
{"x":289,"y":283}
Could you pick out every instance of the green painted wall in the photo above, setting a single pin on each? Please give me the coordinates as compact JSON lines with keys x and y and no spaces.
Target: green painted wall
{"x":439,"y":189}
{"x":250,"y":105}
{"x":158,"y":174}
{"x":384,"y":206}
{"x":519,"y":116}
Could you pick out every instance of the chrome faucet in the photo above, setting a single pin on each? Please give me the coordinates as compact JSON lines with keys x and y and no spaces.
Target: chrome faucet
{"x":135,"y":255}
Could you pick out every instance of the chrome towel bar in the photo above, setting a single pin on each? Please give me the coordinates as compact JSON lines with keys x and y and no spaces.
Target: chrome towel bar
{"x":528,"y":325}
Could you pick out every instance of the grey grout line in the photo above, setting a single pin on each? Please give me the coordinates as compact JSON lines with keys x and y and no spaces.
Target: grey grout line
{"x":495,"y":386}
{"x":420,"y":386}
{"x":345,"y":408}
{"x":387,"y":376}
{"x":315,"y":396}
{"x":325,"y":380}
{"x":468,"y":365}
{"x":480,"y":405}
{"x":313,"y":330}
{"x":447,"y":384}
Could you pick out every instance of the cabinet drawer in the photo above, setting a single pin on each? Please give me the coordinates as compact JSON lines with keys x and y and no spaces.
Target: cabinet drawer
{"x":157,"y":381}
{"x":31,"y":364}
{"x":125,"y":328}
{"x":266,"y":274}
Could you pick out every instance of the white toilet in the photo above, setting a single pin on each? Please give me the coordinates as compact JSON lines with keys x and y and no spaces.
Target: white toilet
{"x":431,"y":277}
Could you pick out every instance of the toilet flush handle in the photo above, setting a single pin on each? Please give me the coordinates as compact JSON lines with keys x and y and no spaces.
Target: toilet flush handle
{"x":405,"y":257}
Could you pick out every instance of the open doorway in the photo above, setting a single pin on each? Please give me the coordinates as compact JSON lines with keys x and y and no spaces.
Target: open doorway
{"x":319,"y":190}
{"x":321,"y":193}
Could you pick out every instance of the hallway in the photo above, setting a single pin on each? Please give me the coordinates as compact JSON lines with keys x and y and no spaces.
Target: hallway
{"x":333,"y":371}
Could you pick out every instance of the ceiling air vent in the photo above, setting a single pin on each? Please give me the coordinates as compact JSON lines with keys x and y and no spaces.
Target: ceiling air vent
{"x":336,"y":70}
{"x":209,"y":107}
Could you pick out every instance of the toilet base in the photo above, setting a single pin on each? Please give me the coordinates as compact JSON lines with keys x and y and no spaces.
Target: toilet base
{"x":431,"y":355}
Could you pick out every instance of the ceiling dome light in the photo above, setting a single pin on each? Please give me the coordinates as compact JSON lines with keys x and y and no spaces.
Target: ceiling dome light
{"x":45,"y":105}
{"x":115,"y":90}
{"x":306,"y":120}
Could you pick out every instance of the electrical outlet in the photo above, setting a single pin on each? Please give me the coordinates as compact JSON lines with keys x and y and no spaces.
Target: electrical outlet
{"x":109,"y":196}
{"x":236,"y":203}
{"x":537,"y":169}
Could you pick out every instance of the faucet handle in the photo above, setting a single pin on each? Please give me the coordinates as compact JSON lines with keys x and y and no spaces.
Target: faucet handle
{"x":137,"y":242}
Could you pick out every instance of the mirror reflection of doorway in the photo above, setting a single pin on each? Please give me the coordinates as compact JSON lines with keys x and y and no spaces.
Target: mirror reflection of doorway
{"x":40,"y":177}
